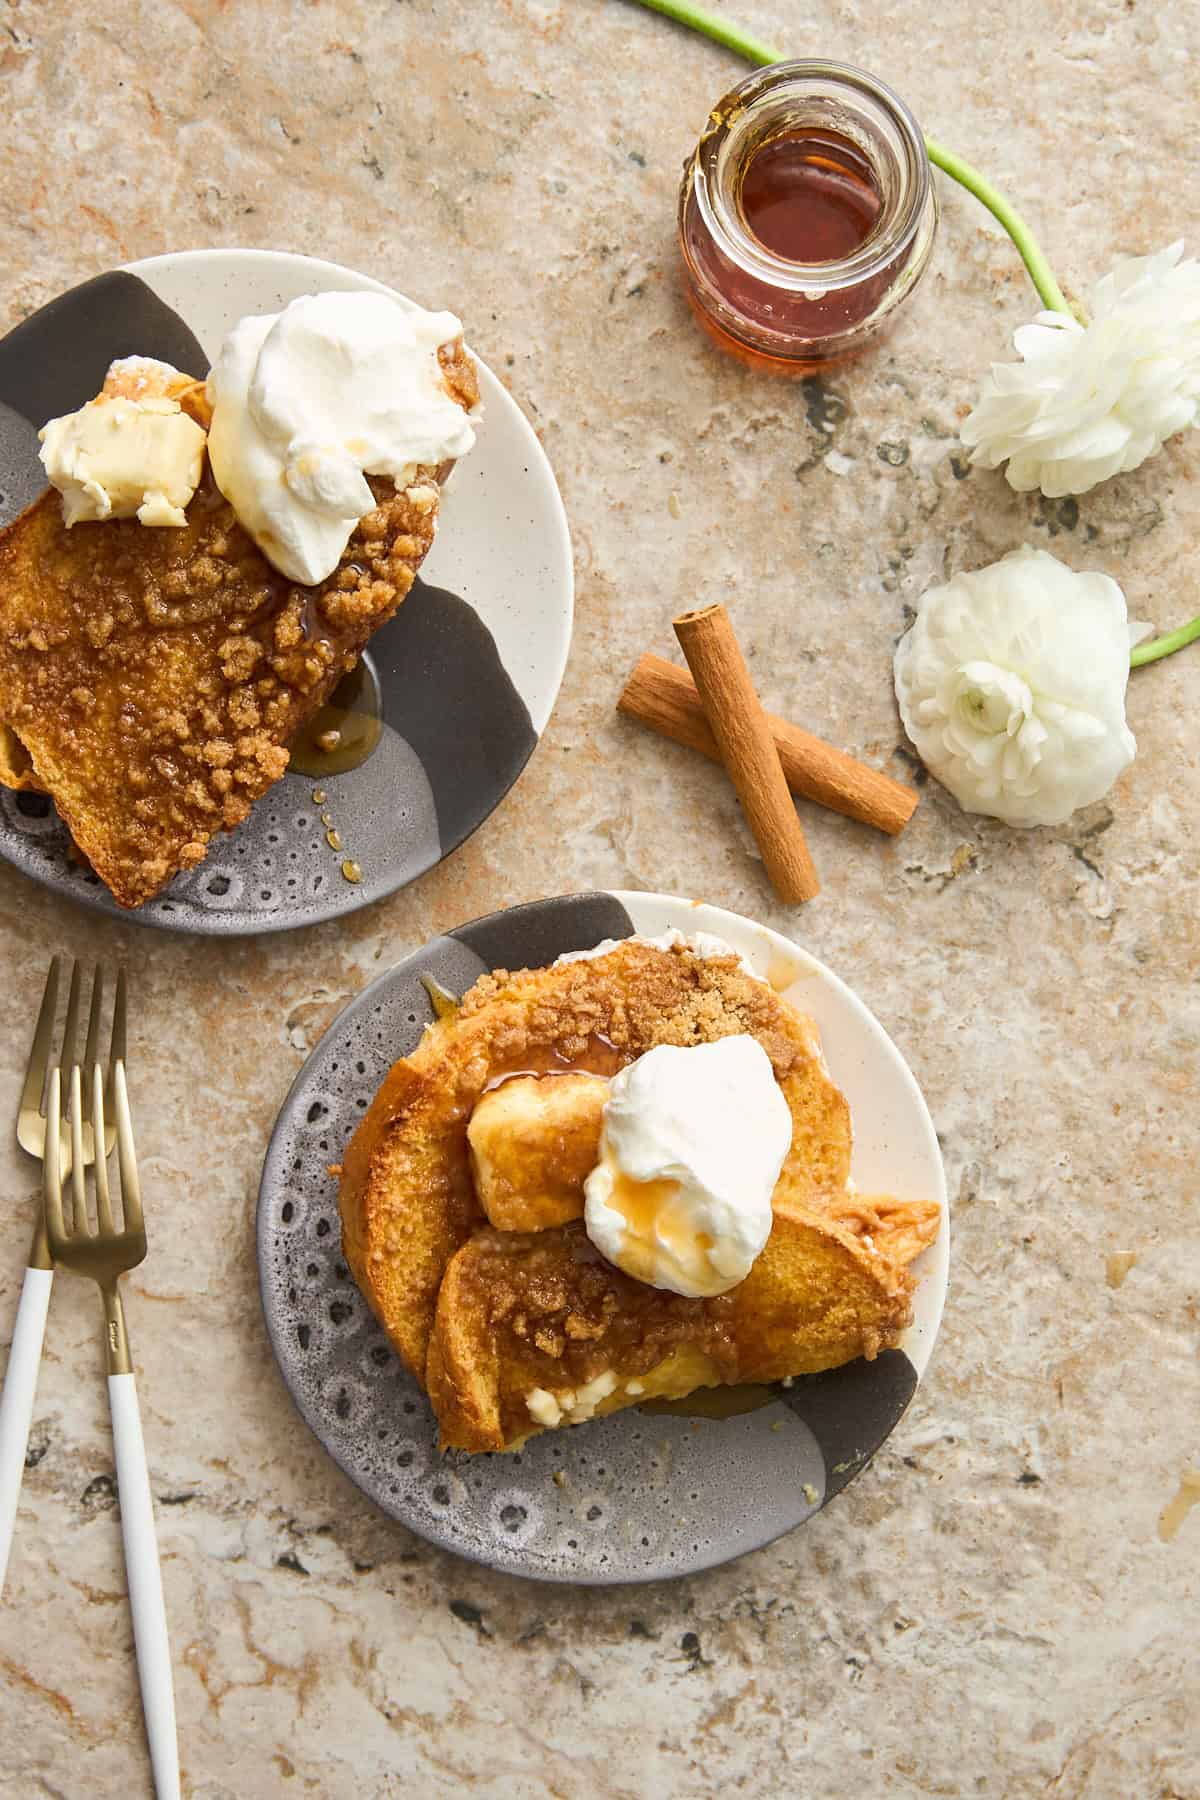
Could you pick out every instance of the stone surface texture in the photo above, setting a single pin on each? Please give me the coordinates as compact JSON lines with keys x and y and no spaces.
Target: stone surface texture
{"x":990,"y":1610}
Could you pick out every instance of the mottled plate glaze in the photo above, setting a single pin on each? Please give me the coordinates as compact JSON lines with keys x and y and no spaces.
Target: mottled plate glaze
{"x":469,"y":668}
{"x":632,"y":1497}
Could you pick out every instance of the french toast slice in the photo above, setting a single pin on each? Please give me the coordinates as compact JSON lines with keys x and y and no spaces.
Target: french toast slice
{"x":906,"y":1227}
{"x":408,"y":1201}
{"x":538,"y":1330}
{"x":151,"y":680}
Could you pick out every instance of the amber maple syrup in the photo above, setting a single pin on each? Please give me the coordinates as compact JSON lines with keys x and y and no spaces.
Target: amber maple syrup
{"x":715,"y":1403}
{"x":810,"y":196}
{"x":806,"y":214}
{"x":599,"y":1056}
{"x":444,"y":1003}
{"x":342,"y":734}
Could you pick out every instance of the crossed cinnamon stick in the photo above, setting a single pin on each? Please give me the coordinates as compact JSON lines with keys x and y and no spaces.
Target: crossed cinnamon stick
{"x":718,"y":713}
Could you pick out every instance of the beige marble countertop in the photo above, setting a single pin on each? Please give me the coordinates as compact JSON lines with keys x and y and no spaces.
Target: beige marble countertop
{"x":990,"y":1610}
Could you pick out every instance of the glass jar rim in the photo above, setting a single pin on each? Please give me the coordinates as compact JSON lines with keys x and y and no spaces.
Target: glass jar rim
{"x":891,"y":235}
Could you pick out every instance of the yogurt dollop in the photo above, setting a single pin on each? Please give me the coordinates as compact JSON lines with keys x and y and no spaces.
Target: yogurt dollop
{"x":692,"y":1145}
{"x":310,"y":401}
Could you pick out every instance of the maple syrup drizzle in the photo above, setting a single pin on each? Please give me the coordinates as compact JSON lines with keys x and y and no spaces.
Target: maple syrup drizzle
{"x":598,"y":1057}
{"x":342,"y":733}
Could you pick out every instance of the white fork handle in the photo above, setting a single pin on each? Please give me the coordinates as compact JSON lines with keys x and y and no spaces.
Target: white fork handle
{"x":145,"y":1586}
{"x":16,"y":1402}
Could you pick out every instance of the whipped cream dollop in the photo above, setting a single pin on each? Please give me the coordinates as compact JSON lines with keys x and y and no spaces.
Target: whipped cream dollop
{"x":132,"y":452}
{"x":310,"y":401}
{"x":691,"y":1149}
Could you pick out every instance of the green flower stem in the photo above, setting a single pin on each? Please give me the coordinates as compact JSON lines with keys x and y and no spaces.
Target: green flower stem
{"x":698,"y":18}
{"x":1165,"y":646}
{"x":1031,"y":252}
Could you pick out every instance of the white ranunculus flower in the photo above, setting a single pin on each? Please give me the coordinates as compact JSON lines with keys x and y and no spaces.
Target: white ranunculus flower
{"x":1087,"y":402}
{"x":1011,"y":685}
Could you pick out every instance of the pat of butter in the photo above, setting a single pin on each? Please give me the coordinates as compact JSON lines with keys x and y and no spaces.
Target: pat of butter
{"x":122,"y":458}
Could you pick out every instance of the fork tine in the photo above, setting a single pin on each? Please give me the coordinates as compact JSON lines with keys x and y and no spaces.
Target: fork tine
{"x":131,"y":1192}
{"x":52,"y":1160}
{"x":66,"y":1055}
{"x":92,"y":1046}
{"x":116,"y":1043}
{"x":78,"y":1169}
{"x":117,"y":1047}
{"x":104,"y":1213}
{"x":43,"y":1034}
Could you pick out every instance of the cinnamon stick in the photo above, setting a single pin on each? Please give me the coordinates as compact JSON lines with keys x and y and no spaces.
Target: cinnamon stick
{"x":743,"y":735}
{"x":663,"y":696}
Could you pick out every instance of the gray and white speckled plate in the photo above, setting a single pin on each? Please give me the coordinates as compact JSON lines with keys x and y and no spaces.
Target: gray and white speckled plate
{"x":468,"y":669}
{"x":633,"y":1497}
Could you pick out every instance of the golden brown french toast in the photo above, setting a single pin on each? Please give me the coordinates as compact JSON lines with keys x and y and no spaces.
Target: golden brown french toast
{"x":408,"y":1200}
{"x":462,"y":1190}
{"x":537,"y":1330}
{"x":151,"y":680}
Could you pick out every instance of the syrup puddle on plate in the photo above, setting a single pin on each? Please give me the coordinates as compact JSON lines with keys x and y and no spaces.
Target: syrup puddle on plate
{"x":783,"y":971}
{"x":354,"y":712}
{"x":443,"y":1002}
{"x":715,"y":1403}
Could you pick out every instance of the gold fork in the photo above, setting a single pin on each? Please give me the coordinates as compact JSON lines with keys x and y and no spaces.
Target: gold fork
{"x":20,"y":1379}
{"x":105,"y":1254}
{"x":31,"y":1108}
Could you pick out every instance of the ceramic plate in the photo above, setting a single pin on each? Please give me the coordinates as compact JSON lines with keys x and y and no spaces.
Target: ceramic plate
{"x":634,"y":1497}
{"x":468,"y":669}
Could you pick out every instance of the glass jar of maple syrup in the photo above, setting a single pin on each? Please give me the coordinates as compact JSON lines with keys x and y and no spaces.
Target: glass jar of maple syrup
{"x":806,"y":215}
